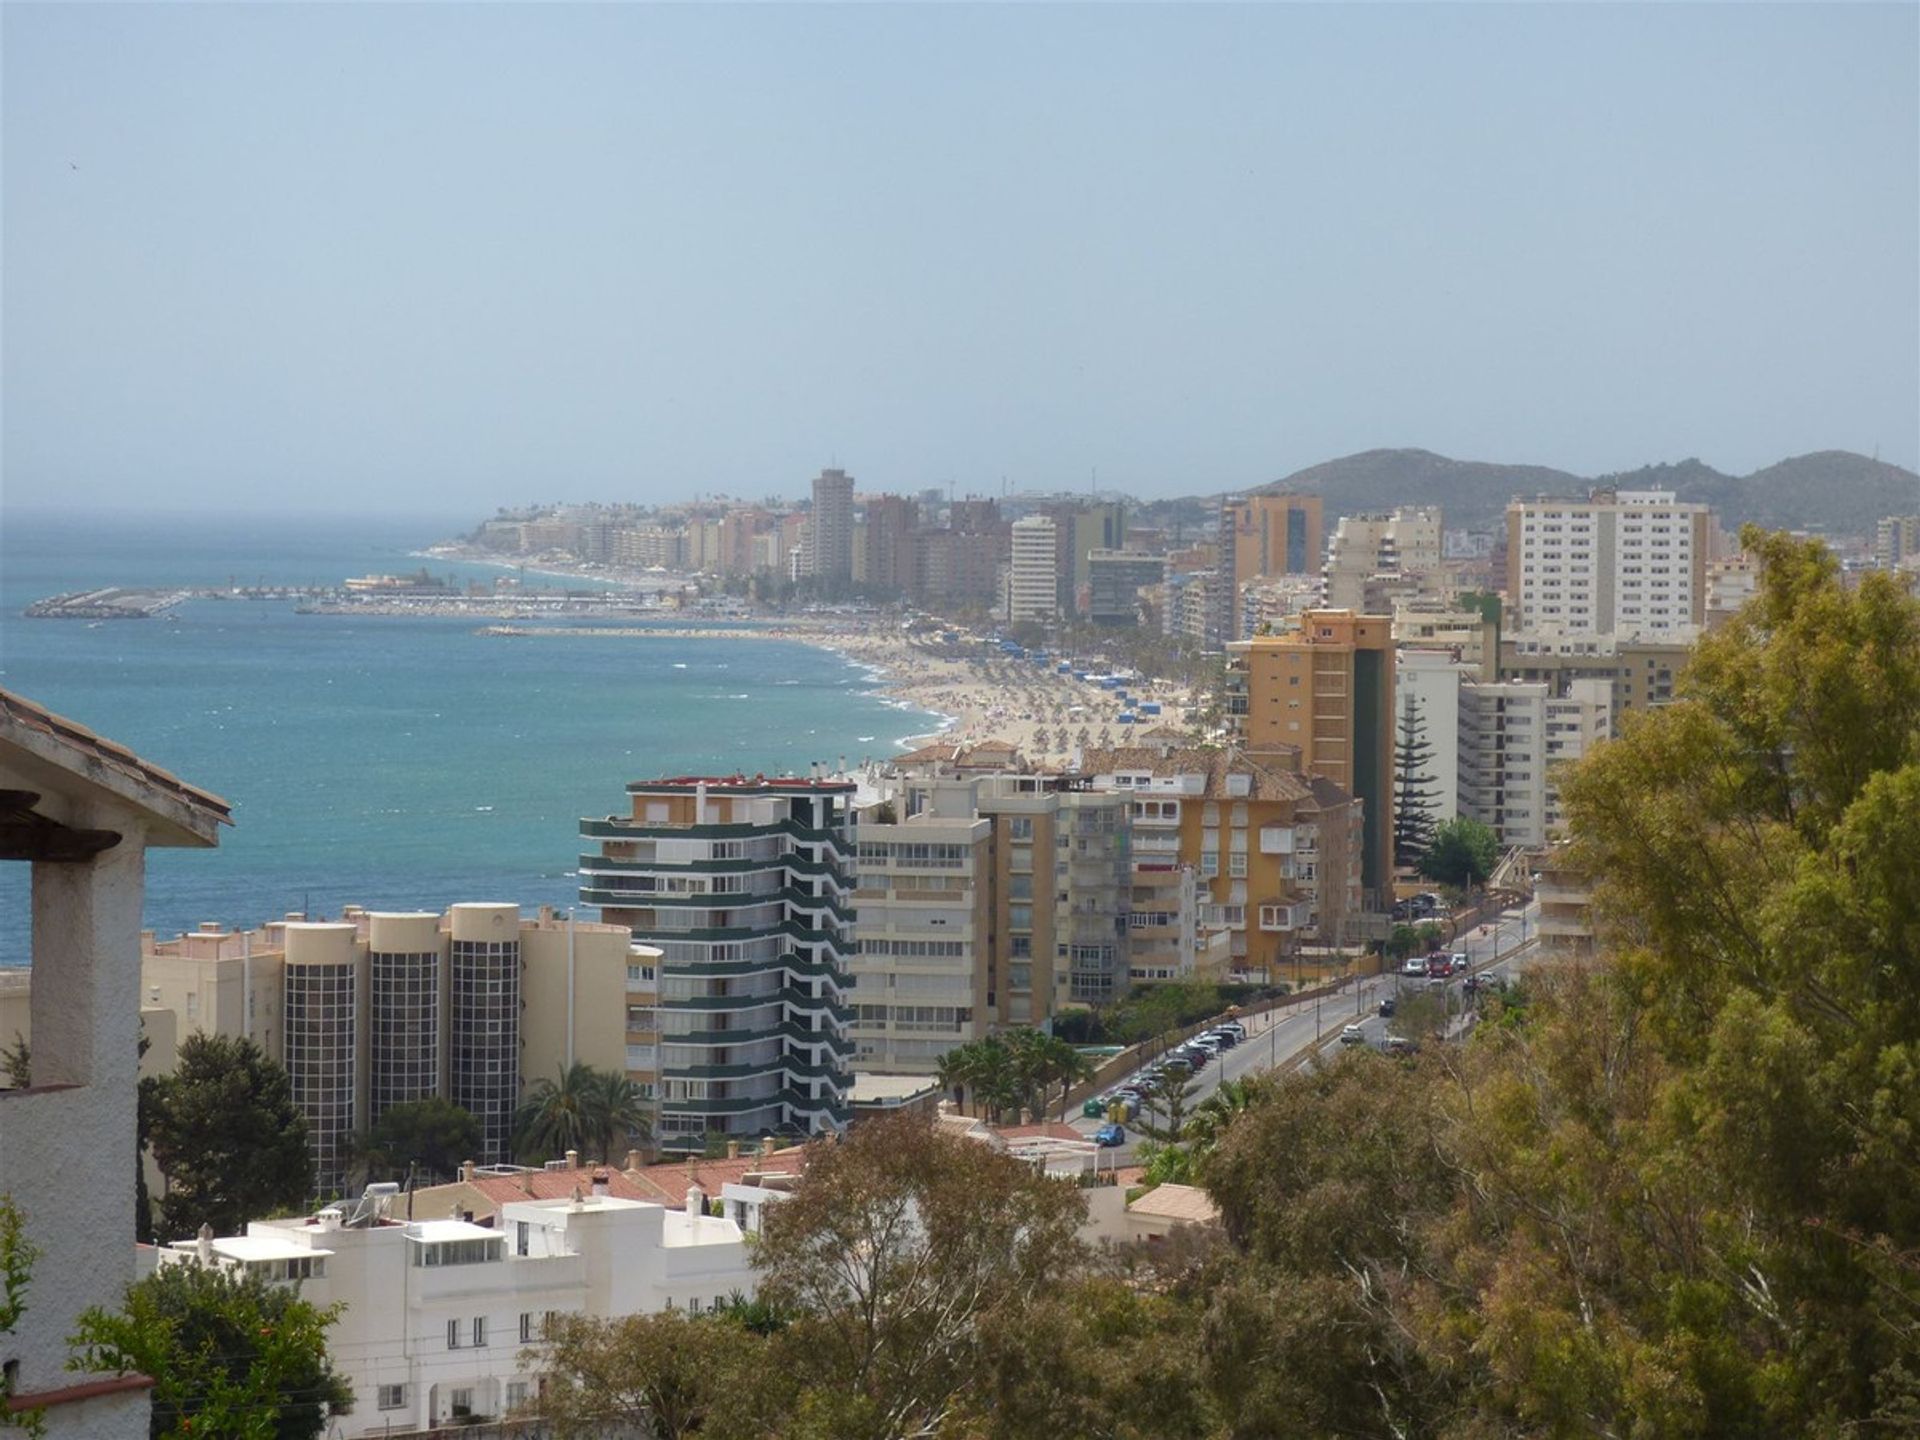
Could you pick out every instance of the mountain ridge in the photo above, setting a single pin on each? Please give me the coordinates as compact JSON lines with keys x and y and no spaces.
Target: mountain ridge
{"x":1837,"y":491}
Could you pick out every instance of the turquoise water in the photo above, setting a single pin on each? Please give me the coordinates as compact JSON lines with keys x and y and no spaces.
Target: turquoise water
{"x":382,"y":761}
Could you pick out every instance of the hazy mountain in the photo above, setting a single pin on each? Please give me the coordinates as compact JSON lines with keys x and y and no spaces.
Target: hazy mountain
{"x":1831,"y":490}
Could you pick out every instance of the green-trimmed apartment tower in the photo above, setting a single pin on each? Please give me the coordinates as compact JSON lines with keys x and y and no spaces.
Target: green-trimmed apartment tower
{"x":746,"y":886}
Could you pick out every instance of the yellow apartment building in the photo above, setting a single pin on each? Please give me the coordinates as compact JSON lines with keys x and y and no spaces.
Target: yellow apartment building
{"x":1326,"y":689}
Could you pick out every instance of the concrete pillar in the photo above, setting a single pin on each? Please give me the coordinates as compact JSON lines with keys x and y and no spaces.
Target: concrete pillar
{"x":86,"y":964}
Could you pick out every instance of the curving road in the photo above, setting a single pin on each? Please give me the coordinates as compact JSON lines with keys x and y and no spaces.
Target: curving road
{"x":1282,"y":1033}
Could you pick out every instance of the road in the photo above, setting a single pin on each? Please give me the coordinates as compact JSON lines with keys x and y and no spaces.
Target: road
{"x":1280,"y":1034}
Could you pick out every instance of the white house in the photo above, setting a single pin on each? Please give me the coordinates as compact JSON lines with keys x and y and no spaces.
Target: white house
{"x":438,"y":1313}
{"x":83,"y":812}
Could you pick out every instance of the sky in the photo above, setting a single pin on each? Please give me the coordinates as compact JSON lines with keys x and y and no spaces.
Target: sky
{"x":445,"y":257}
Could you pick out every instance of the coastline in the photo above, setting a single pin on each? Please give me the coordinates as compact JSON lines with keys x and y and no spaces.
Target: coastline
{"x":976,"y":693}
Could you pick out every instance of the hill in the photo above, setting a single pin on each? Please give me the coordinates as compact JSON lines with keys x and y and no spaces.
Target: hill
{"x":1830,"y":490}
{"x":1835,"y":491}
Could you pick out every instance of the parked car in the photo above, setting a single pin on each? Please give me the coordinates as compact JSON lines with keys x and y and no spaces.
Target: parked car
{"x":1226,"y":1038}
{"x":1233,"y":1028}
{"x":1352,"y":1035}
{"x":1398,"y":1045}
{"x":1386,"y":1007}
{"x":1109,"y":1135}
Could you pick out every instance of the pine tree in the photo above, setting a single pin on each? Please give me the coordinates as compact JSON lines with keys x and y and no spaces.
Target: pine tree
{"x":1414,"y":803}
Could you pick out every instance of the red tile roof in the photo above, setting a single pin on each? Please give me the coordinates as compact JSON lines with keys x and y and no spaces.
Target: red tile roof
{"x":556,"y":1185}
{"x":91,"y":748}
{"x":669,"y":1181}
{"x":1051,"y":1130}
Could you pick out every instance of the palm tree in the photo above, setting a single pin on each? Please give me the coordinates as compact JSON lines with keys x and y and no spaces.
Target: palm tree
{"x":586,"y":1109}
{"x":1212,"y":1116}
{"x":963,"y":1068}
{"x":626,"y":1117}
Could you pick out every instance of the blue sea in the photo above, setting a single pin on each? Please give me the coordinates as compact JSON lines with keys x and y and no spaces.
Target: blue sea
{"x":387,"y":762}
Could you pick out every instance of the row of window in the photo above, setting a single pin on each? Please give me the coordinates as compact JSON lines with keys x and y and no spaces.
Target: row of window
{"x":475,"y":1333}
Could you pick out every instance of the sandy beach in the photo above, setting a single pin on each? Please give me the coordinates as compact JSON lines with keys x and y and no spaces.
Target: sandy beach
{"x":983,"y":694}
{"x":988,"y":696}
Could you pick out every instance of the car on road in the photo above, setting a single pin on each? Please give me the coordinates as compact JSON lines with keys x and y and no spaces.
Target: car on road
{"x":1387,"y":1007}
{"x":1109,"y":1135}
{"x":1398,"y":1045}
{"x":1460,"y":961}
{"x":1438,"y":964}
{"x":1352,"y":1035}
{"x":1415,"y":965}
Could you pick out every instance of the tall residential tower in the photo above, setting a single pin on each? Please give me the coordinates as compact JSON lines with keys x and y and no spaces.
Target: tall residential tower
{"x":746,"y":886}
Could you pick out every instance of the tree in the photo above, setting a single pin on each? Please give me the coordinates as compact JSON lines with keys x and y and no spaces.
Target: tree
{"x":663,"y":1376}
{"x":1414,"y":800}
{"x":228,"y":1138}
{"x":433,"y":1134}
{"x":17,"y":1254}
{"x":594,"y":1112}
{"x":899,"y":1255}
{"x":230,"y":1355}
{"x":16,"y":1061}
{"x":1462,"y":853}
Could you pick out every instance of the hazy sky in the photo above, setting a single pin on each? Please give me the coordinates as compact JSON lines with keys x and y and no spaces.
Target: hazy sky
{"x":449,"y":256}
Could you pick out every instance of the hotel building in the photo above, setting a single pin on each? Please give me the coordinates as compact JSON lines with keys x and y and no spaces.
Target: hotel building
{"x":1261,"y":537}
{"x":1033,"y":592}
{"x":381,"y":1008}
{"x":745,"y":886}
{"x":1621,"y":562}
{"x":830,"y":544}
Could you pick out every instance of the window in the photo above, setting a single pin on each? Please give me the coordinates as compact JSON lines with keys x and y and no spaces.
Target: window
{"x":453,"y":1334}
{"x":479,"y":1330}
{"x":393,"y":1397}
{"x":693,"y":1305}
{"x":526,"y":1326}
{"x":461,"y":1403}
{"x":516,"y":1394}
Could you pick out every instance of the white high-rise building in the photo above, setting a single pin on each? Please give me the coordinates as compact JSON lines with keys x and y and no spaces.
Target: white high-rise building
{"x":1429,"y":681}
{"x":1033,"y":591}
{"x":1514,"y":737}
{"x":830,"y":540}
{"x":1626,"y":562}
